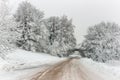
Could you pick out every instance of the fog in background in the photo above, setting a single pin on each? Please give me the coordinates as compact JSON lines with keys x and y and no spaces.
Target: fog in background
{"x":84,"y":13}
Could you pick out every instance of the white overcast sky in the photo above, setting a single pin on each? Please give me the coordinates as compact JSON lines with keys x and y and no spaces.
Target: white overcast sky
{"x":84,"y":13}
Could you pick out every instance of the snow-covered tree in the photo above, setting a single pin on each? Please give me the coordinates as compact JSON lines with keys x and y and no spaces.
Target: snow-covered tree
{"x":61,"y":37}
{"x":30,"y":27}
{"x":7,"y":23}
{"x":102,"y":42}
{"x":67,"y":33}
{"x":52,"y":24}
{"x":7,"y":26}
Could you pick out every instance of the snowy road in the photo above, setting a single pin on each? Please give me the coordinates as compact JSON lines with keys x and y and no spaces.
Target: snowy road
{"x":69,"y":69}
{"x":25,"y":65}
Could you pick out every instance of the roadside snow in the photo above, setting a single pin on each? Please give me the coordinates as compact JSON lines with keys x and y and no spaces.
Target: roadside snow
{"x":19,"y":63}
{"x":20,"y":59}
{"x":29,"y":57}
{"x":109,"y":71}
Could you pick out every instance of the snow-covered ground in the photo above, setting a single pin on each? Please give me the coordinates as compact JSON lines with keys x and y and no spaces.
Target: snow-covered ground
{"x":109,"y":70}
{"x":19,"y":59}
{"x":19,"y":63}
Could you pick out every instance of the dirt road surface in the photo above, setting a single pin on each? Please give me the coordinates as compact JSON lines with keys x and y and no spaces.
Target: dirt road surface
{"x":69,"y":69}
